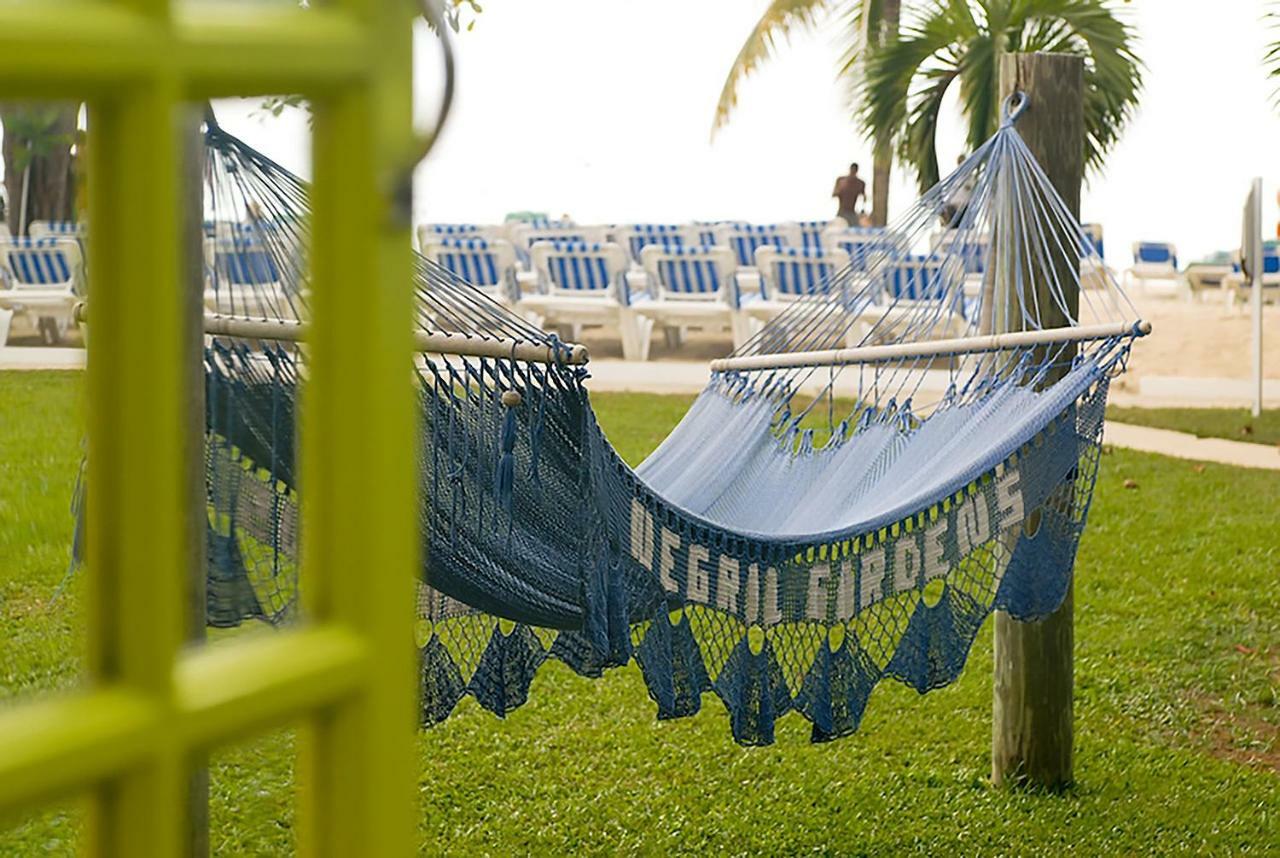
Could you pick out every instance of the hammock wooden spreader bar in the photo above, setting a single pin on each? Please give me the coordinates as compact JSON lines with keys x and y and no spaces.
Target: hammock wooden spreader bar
{"x":932,"y":348}
{"x":440,"y":344}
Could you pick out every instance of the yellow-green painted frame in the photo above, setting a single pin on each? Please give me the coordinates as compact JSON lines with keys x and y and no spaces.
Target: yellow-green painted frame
{"x":149,"y":709}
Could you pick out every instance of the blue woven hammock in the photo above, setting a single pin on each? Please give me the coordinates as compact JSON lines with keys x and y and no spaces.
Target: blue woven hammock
{"x":803,"y":533}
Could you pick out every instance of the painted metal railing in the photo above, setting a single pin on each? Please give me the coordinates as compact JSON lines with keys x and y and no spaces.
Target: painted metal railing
{"x":148,"y":709}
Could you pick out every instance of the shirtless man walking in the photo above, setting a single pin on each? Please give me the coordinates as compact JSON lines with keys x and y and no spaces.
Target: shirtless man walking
{"x":848,"y":191}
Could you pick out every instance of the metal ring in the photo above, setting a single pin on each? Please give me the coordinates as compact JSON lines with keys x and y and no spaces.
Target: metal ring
{"x":1015,"y":104}
{"x":403,"y":190}
{"x":433,"y":17}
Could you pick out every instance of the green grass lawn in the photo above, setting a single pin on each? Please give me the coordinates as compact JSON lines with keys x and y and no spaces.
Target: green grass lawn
{"x":1177,"y":706}
{"x":1235,"y":424}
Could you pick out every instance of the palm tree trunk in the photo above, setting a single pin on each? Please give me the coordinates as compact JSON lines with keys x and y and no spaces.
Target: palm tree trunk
{"x":882,"y":166}
{"x":880,"y":170}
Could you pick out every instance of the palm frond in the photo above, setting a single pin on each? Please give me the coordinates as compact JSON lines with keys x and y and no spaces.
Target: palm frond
{"x":775,"y":24}
{"x":1113,"y":72}
{"x":979,"y":88}
{"x":1271,"y":59}
{"x":919,"y":145}
{"x":892,"y":105}
{"x":862,"y":25}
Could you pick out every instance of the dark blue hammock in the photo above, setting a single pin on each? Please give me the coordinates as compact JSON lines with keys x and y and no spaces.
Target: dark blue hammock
{"x":803,"y":533}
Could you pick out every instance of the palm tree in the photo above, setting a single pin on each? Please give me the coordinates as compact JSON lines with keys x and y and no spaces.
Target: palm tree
{"x":899,"y":74}
{"x":40,"y":168}
{"x":866,"y":23}
{"x":952,"y":41}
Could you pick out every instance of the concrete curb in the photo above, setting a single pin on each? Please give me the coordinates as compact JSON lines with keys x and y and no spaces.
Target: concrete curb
{"x":1180,"y":445}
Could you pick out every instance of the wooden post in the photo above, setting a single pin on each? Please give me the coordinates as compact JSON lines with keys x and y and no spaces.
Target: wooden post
{"x":193,"y":411}
{"x":1032,"y":711}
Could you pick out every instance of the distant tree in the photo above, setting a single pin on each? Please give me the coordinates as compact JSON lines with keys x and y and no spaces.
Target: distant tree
{"x":39,"y":165}
{"x":955,"y":42}
{"x":900,"y":61}
{"x":864,"y":24}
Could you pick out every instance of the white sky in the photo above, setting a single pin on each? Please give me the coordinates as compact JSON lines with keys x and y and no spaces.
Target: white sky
{"x":602,"y":109}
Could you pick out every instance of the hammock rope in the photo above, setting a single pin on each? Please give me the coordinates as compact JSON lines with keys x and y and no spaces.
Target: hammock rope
{"x":807,"y":530}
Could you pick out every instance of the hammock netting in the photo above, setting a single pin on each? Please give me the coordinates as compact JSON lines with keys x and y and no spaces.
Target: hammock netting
{"x":802,"y":534}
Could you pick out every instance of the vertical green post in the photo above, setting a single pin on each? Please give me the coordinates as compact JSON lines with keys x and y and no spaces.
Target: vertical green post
{"x":359,"y":435}
{"x":136,"y":527}
{"x":1032,"y":703}
{"x":193,"y":430}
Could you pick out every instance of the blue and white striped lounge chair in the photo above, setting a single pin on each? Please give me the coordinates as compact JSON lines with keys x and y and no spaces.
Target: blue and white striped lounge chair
{"x":56,"y":229}
{"x":914,"y":278}
{"x":245,"y":280}
{"x":864,"y":245}
{"x":1154,"y":269}
{"x":635,"y":237}
{"x":1240,"y":290}
{"x":524,"y":235}
{"x":1093,"y":233}
{"x":789,"y":273}
{"x":971,"y":248}
{"x":43,"y":280}
{"x":905,"y":286}
{"x":487,"y":264}
{"x":811,"y":232}
{"x":705,"y":230}
{"x":1094,"y":272}
{"x":586,"y":284}
{"x":431,"y":232}
{"x":694,"y":287}
{"x":744,"y":238}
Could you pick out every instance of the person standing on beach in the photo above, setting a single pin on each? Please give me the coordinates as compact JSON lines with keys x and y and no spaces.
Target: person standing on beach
{"x":848,"y":191}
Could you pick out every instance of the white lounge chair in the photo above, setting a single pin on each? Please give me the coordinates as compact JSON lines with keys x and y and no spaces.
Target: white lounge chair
{"x":635,"y":237}
{"x":487,"y":264}
{"x":744,"y":238}
{"x":1094,"y":271}
{"x":56,"y":229}
{"x":864,"y":245}
{"x":1239,"y":289}
{"x":694,"y":287}
{"x":245,"y":280}
{"x":788,"y":274}
{"x":812,"y":231}
{"x":524,"y":235}
{"x":431,"y":232}
{"x":1155,"y":268}
{"x":971,"y":248}
{"x":586,"y":284}
{"x":43,"y":280}
{"x":902,"y":288}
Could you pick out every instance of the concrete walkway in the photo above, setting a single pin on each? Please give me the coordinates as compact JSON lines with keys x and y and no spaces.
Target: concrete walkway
{"x":39,"y":357}
{"x":690,"y":377}
{"x":1181,"y":445}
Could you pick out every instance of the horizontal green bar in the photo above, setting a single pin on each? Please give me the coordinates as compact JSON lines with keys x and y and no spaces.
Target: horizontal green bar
{"x":246,"y":686}
{"x":63,"y":49}
{"x":63,"y":746}
{"x":75,"y":48}
{"x":233,"y":50}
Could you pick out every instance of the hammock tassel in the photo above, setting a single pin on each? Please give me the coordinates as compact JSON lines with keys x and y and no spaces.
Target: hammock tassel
{"x":504,"y":480}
